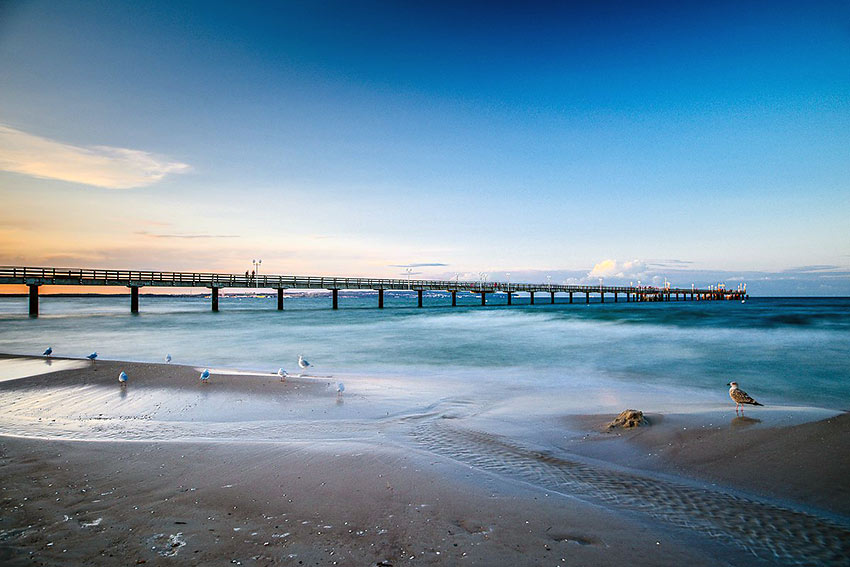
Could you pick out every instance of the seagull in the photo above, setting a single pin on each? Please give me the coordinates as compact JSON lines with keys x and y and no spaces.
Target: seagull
{"x":168,"y":358}
{"x":282,"y":373}
{"x":92,"y":356}
{"x":740,"y":397}
{"x":122,"y":377}
{"x":340,"y":388}
{"x":302,"y":362}
{"x":48,"y":352}
{"x":205,"y":375}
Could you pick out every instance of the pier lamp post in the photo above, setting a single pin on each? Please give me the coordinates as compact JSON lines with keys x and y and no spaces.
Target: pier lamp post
{"x":549,"y":282}
{"x":409,"y":272}
{"x":508,"y":276}
{"x":256,"y":271}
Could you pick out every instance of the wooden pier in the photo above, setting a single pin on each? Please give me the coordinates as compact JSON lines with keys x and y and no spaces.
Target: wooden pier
{"x":35,"y":277}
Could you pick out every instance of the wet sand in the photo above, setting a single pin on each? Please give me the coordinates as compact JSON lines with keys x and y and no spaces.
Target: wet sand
{"x":808,"y":463}
{"x":253,"y":471}
{"x":76,"y":503}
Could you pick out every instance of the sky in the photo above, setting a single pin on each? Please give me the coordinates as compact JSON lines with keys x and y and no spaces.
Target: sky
{"x":697,"y":142}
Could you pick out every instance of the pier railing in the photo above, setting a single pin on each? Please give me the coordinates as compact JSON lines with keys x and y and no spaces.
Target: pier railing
{"x":34,"y":277}
{"x":141,"y":278}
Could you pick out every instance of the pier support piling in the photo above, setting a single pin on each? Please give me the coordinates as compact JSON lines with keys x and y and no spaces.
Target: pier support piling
{"x":134,"y":299}
{"x":35,"y":277}
{"x":33,"y":300}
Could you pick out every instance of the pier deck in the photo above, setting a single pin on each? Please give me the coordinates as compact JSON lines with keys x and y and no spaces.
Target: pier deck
{"x":34,"y":277}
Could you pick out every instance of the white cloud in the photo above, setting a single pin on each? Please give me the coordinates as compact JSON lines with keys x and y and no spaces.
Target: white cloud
{"x":616,"y":269}
{"x":99,"y":166}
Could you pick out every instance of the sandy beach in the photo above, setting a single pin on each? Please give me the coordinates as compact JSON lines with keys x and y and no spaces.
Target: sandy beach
{"x":807,"y":463}
{"x":254,"y":471}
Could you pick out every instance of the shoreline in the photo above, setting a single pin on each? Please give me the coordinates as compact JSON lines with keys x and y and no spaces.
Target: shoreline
{"x":378,"y":457}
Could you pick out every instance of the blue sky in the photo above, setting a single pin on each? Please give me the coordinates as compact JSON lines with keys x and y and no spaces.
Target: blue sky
{"x":698,"y":142}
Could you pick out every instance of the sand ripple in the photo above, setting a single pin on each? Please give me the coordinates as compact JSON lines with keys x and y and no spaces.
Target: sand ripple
{"x":767,"y":530}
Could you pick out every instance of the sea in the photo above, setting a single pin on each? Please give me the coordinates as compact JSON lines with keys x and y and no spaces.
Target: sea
{"x":792,"y":352}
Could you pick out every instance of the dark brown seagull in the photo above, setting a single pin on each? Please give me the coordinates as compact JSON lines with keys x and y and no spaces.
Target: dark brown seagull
{"x":740,"y":397}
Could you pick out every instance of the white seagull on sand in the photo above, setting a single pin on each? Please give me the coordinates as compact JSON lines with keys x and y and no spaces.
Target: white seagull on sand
{"x":282,"y":373}
{"x":168,"y":357}
{"x":740,"y":397}
{"x":92,"y":356}
{"x":302,"y":362}
{"x":205,"y":375}
{"x":122,"y":377}
{"x":48,"y":351}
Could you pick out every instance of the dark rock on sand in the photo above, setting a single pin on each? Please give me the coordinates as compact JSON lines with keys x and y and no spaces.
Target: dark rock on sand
{"x":629,"y":418}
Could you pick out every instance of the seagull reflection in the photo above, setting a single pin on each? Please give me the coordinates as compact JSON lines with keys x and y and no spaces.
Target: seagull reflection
{"x":743,"y":421}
